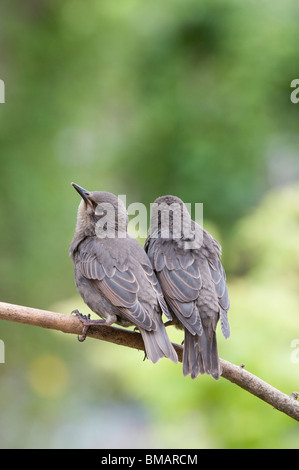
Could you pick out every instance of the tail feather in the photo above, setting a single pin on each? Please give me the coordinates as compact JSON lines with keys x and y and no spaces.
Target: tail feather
{"x":192,"y":360}
{"x":158,"y":345}
{"x":216,"y":368}
{"x":200,"y":355}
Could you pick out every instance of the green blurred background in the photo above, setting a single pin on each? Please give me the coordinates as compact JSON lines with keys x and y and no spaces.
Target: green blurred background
{"x":146,"y":98}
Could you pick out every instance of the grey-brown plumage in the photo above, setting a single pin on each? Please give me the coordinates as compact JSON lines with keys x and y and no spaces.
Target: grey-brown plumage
{"x":193,"y":283}
{"x":114,"y":275}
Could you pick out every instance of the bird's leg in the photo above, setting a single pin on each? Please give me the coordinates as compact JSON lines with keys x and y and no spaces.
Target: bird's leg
{"x":87,"y":322}
{"x":137,"y":329}
{"x":169,"y":323}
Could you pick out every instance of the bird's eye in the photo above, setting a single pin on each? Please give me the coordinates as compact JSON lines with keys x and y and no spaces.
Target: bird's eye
{"x":99,"y":210}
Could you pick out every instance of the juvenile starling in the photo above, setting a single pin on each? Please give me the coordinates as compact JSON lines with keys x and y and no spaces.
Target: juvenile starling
{"x":187,"y":264}
{"x":114,"y":275}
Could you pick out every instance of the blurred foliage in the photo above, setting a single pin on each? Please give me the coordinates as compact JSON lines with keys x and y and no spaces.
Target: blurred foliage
{"x":148,"y":98}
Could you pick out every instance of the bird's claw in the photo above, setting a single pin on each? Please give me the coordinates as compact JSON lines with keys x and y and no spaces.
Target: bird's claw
{"x":84,"y":319}
{"x":87,"y":322}
{"x":84,"y":333}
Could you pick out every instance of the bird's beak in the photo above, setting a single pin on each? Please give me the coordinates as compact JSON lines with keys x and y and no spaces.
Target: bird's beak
{"x":83,"y":193}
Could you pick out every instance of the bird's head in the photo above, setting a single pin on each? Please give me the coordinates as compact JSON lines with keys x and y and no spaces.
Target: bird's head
{"x":169,"y":200}
{"x":100,"y":213}
{"x":169,"y":216}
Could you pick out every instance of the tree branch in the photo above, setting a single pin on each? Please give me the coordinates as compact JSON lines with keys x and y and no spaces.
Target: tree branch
{"x":71,"y":324}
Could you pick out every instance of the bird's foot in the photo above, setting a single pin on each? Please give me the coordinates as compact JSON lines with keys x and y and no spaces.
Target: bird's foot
{"x":86,"y":322}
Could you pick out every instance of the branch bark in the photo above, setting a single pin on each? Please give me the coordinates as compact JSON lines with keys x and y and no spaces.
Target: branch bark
{"x":71,"y":324}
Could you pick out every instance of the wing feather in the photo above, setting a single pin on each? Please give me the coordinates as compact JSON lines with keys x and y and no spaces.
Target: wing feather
{"x":219,"y":279}
{"x":118,"y":285}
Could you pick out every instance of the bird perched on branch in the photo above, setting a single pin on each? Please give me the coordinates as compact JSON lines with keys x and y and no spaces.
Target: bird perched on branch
{"x":186,"y":259}
{"x":114,"y":275}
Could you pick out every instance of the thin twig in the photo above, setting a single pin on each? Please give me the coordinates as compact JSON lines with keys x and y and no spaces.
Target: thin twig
{"x":71,"y":324}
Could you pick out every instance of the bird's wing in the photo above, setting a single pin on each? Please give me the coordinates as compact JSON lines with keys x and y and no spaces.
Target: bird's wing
{"x":152,"y":278}
{"x":180,"y":280}
{"x":219,"y":280}
{"x":116,"y":282}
